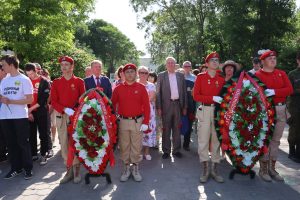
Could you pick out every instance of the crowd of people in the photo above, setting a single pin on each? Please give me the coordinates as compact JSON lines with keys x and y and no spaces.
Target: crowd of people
{"x":149,"y":107}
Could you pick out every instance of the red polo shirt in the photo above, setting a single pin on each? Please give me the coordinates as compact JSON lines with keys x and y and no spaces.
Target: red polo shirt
{"x":206,"y":87}
{"x":35,"y":84}
{"x":66,"y":93}
{"x":131,"y":100}
{"x":277,"y":80}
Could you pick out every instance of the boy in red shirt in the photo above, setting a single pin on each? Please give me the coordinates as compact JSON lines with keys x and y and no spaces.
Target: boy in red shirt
{"x":130,"y":100}
{"x":65,"y":93}
{"x":279,"y":86}
{"x":206,"y":90}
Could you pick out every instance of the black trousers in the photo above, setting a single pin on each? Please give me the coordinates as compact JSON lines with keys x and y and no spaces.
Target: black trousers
{"x":41,"y":123}
{"x":3,"y":145}
{"x":17,"y":137}
{"x":187,"y":136}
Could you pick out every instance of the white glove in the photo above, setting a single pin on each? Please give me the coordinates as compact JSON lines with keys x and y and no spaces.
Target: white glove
{"x":217,"y":99}
{"x":144,"y":127}
{"x":269,"y":92}
{"x":69,"y":111}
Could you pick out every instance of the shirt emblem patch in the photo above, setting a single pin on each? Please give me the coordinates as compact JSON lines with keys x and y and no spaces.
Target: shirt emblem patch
{"x":17,"y":83}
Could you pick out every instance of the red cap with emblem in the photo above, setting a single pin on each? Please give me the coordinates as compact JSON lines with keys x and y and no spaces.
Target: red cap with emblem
{"x":267,"y":54}
{"x":211,"y":55}
{"x":66,"y":58}
{"x":129,"y":66}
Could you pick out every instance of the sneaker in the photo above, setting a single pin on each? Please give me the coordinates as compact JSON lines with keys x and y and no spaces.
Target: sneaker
{"x":35,"y":158}
{"x":43,"y":160}
{"x":148,"y":157}
{"x":12,"y":174}
{"x":50,"y":153}
{"x":28,"y":175}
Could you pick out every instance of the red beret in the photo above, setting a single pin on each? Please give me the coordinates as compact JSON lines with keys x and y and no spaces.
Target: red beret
{"x":66,"y":58}
{"x":267,"y":54}
{"x":129,"y":66}
{"x":212,"y":55}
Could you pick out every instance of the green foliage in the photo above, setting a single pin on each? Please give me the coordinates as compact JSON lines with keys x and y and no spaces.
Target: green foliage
{"x":36,"y":29}
{"x":107,"y":43}
{"x":81,"y":56}
{"x":237,"y":29}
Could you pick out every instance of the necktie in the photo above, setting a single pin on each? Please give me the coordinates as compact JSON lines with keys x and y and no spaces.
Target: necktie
{"x":98,"y":82}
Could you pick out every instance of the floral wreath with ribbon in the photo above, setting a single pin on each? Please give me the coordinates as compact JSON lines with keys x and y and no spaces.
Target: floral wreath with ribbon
{"x":244,"y":121}
{"x":93,"y":132}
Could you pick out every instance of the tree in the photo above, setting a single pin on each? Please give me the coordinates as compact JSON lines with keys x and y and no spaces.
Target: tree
{"x":107,"y":43}
{"x":190,"y":29}
{"x":82,"y":58}
{"x":36,"y":29}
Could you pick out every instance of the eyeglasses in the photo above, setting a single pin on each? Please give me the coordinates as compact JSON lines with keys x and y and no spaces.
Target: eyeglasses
{"x":145,"y":73}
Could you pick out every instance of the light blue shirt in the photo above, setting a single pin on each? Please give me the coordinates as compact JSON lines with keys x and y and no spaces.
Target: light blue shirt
{"x":190,"y":77}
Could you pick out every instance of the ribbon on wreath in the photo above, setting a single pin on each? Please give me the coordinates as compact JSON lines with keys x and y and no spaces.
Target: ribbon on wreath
{"x":232,"y":106}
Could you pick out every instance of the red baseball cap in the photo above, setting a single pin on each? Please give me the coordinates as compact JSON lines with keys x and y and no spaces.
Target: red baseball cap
{"x":129,"y":66}
{"x":66,"y":58}
{"x":212,"y":55}
{"x":267,"y":54}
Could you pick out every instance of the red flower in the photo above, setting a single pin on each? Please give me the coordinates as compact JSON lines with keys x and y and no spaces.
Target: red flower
{"x":92,"y":111}
{"x":92,"y":154}
{"x":92,"y":95}
{"x":99,"y":141}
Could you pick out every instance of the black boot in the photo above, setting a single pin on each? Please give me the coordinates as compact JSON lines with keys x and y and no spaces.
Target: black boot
{"x":297,"y":156}
{"x":294,"y":153}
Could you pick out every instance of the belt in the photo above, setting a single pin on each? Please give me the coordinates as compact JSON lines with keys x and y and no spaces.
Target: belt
{"x":279,"y":104}
{"x":174,"y":99}
{"x":132,"y":118}
{"x":208,"y":104}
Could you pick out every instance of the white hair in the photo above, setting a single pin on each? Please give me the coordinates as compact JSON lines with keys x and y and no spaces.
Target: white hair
{"x":143,"y":67}
{"x":96,"y":61}
{"x":170,"y":58}
{"x":187,"y":63}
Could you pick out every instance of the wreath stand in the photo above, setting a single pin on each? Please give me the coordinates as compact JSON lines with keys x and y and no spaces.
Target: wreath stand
{"x":106,"y":175}
{"x":251,"y":173}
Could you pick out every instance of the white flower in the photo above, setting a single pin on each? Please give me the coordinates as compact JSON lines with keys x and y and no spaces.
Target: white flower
{"x":250,"y":127}
{"x":246,"y":83}
{"x":247,"y":162}
{"x":231,"y":126}
{"x":85,"y":108}
{"x":83,"y":154}
{"x":253,"y":90}
{"x":93,"y":101}
{"x":238,"y":152}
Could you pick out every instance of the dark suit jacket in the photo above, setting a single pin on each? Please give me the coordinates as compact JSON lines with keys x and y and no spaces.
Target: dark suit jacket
{"x":104,"y":82}
{"x":163,"y":90}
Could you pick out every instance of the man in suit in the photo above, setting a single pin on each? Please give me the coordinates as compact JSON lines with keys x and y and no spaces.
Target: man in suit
{"x":97,"y":80}
{"x":171,"y":103}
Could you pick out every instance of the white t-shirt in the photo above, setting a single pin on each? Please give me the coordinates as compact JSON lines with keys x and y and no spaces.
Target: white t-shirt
{"x":15,"y":88}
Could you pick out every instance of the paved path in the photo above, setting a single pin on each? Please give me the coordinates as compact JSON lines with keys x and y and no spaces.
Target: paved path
{"x":170,"y":179}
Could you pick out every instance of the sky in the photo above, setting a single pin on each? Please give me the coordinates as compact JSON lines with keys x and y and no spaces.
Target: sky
{"x":121,"y":15}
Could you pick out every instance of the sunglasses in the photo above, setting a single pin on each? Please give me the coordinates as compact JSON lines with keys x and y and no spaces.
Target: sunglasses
{"x":145,"y":73}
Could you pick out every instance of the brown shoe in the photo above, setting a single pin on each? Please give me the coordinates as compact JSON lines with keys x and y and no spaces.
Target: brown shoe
{"x":76,"y":170}
{"x":214,"y":173}
{"x":263,"y":171}
{"x":68,"y":176}
{"x":273,"y":173}
{"x":205,"y":175}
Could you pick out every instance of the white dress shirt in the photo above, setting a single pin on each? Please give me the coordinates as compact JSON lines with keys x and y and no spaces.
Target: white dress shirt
{"x":173,"y":86}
